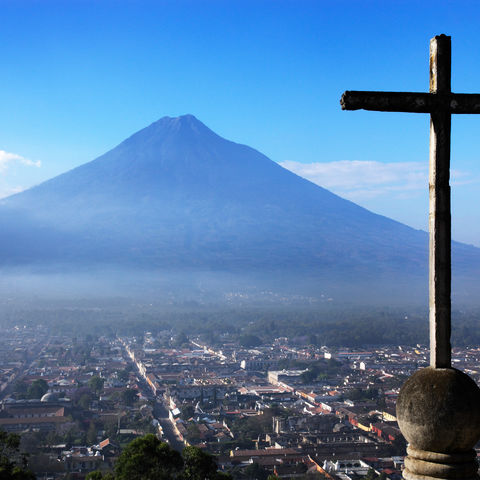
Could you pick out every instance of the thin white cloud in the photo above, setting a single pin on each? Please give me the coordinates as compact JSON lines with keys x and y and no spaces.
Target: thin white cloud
{"x":362,"y":180}
{"x":7,"y":158}
{"x":462,"y":178}
{"x":6,"y":191}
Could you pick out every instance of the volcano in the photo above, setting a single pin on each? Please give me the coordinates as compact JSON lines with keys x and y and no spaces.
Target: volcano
{"x":176,"y":196}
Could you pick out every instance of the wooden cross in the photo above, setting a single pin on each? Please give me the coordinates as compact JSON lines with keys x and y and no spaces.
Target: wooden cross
{"x":440,"y":103}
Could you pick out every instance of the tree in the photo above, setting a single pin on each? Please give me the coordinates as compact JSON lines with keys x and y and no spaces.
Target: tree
{"x":222,"y":476}
{"x":181,"y":340}
{"x":124,"y":375}
{"x":187,"y":412}
{"x":129,"y":396}
{"x":20,"y":389}
{"x":92,"y":434}
{"x":193,"y":432}
{"x":97,"y":475}
{"x":84,"y":401}
{"x":399,"y":445}
{"x":255,"y":471}
{"x":308,"y":376}
{"x":52,"y":438}
{"x":371,"y":475}
{"x":37,"y":389}
{"x":198,"y":465}
{"x":96,"y":384}
{"x":110,"y":426}
{"x":249,"y":341}
{"x":147,"y":458}
{"x":13,"y":463}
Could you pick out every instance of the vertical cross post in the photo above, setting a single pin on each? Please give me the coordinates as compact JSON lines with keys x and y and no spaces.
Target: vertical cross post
{"x":439,"y":211}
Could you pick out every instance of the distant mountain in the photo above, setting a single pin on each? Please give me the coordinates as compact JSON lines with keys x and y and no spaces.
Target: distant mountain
{"x":176,"y":196}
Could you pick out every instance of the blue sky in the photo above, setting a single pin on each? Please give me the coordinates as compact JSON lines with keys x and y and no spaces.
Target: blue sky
{"x":78,"y":77}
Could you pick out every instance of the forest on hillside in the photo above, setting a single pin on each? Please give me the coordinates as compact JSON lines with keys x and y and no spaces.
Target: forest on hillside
{"x":347,"y":328}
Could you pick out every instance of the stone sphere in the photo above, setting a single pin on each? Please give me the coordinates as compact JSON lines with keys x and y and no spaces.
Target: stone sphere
{"x":438,"y":410}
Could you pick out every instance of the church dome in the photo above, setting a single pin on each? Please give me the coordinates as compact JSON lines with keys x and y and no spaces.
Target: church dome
{"x":49,"y":397}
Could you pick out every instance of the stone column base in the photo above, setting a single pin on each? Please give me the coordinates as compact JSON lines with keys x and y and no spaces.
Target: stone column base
{"x":423,"y":465}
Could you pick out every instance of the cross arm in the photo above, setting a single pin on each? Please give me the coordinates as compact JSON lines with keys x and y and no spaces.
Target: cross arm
{"x":412,"y":102}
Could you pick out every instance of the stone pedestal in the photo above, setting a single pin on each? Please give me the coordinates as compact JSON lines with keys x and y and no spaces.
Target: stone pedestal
{"x":438,"y":412}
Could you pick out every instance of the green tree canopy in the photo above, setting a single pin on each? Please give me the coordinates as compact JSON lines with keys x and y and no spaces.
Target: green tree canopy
{"x":91,"y":433}
{"x":256,"y":471}
{"x":20,"y":389}
{"x":12,"y":462}
{"x":84,"y":401}
{"x":193,"y":433}
{"x":249,"y":340}
{"x":98,"y":475}
{"x":180,"y":340}
{"x":96,"y":384}
{"x":371,"y":474}
{"x":124,"y":374}
{"x":147,"y":458}
{"x":198,"y":464}
{"x":129,"y":396}
{"x":187,"y":412}
{"x":37,"y":389}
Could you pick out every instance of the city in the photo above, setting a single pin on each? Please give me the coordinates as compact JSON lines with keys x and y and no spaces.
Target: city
{"x":281,"y":408}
